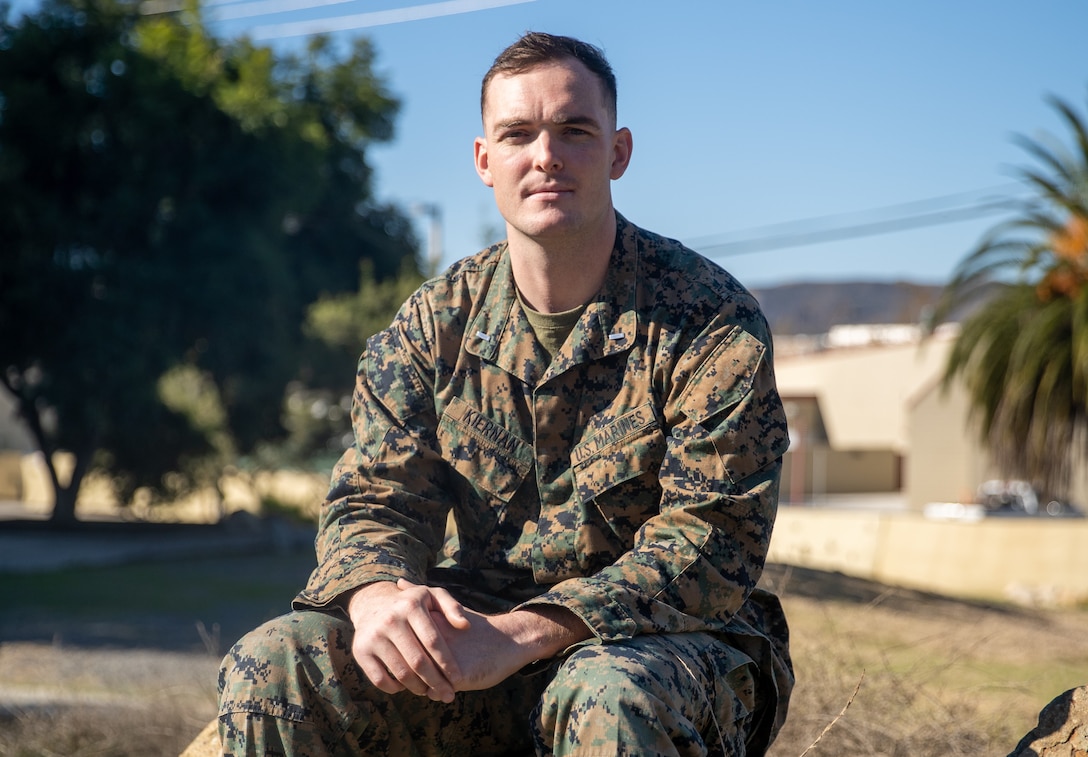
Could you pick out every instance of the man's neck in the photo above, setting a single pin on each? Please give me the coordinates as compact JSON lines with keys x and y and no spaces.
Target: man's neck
{"x":557,"y":275}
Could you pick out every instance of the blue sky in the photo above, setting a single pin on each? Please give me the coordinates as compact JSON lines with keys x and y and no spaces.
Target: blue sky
{"x":744,"y":115}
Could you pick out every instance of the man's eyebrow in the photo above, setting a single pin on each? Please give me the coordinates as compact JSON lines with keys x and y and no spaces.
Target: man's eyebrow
{"x":511,"y":124}
{"x":560,"y":119}
{"x":565,"y":119}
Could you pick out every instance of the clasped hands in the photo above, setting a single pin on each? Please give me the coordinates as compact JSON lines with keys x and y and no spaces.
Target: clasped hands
{"x":420,"y":639}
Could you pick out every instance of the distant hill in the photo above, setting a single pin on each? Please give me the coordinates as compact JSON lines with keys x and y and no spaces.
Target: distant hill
{"x":813,"y":308}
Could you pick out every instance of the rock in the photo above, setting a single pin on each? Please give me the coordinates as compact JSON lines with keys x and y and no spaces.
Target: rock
{"x":206,"y":744}
{"x":1062,"y":730}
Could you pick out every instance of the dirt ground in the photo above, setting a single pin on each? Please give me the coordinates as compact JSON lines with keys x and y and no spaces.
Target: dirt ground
{"x":121,"y":661}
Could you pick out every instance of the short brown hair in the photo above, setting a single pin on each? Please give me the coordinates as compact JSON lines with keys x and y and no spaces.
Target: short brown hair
{"x":536,"y":48}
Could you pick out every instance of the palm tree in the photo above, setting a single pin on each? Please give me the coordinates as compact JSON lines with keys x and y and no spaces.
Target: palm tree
{"x":1023,"y":352}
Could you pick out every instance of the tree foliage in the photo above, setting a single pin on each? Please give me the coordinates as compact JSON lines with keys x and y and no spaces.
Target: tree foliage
{"x":318,"y":413}
{"x":170,"y":206}
{"x":1024,"y":353}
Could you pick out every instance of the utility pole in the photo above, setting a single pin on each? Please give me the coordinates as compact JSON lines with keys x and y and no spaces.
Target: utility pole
{"x":434,"y":234}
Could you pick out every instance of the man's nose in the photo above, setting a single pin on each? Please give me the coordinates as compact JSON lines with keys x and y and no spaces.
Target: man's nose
{"x":547,"y":157}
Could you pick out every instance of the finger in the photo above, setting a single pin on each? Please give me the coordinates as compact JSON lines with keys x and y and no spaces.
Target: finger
{"x":414,"y":652}
{"x":423,"y":627}
{"x":436,"y":655}
{"x":451,"y":609}
{"x":423,"y":680}
{"x":398,"y":672}
{"x":384,"y":665}
{"x":378,"y":674}
{"x":443,"y":601}
{"x":398,"y":646}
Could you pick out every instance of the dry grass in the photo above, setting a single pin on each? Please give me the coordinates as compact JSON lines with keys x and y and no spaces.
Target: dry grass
{"x":102,"y":703}
{"x":938,"y":677}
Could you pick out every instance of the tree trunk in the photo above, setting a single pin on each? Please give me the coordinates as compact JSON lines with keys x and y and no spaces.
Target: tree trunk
{"x":64,"y":505}
{"x":64,"y":497}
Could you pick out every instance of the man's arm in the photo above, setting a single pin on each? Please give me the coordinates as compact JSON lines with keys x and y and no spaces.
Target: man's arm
{"x":384,"y":518}
{"x":385,"y":514}
{"x":494,"y":647}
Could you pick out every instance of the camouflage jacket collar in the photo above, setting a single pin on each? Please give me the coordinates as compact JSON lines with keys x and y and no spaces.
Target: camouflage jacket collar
{"x":502,"y":334}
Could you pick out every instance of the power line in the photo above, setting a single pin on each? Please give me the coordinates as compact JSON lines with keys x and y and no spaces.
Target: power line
{"x":377,"y":18}
{"x":934,"y":211}
{"x":253,"y":8}
{"x":219,"y":11}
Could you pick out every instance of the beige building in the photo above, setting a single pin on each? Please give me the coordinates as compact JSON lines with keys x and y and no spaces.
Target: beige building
{"x":869,"y":412}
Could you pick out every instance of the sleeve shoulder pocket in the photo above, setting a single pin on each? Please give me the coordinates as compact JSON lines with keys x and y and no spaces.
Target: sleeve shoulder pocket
{"x":391,"y":377}
{"x":724,"y":378}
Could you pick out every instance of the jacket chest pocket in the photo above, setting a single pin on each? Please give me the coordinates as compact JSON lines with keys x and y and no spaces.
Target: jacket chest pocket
{"x":485,"y":453}
{"x":617,"y":470}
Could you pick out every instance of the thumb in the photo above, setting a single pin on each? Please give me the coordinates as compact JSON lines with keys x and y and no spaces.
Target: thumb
{"x":443,"y":603}
{"x":452,"y":610}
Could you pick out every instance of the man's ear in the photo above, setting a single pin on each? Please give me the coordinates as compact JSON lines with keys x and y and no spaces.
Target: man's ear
{"x":479,"y":148}
{"x":622,"y":146}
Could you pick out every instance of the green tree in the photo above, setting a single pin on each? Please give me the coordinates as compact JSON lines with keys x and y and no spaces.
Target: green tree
{"x":339,"y":324}
{"x":170,"y":205}
{"x":1023,"y":353}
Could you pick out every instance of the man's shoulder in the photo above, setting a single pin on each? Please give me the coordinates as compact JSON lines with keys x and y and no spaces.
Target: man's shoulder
{"x":680,"y":277}
{"x":483,"y":261}
{"x":456,"y":291}
{"x":464,"y":277}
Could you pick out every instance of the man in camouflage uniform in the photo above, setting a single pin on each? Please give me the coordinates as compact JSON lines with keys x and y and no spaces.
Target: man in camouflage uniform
{"x":596,"y":407}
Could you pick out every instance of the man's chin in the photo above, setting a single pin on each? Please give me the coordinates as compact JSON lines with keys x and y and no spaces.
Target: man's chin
{"x":544,"y":225}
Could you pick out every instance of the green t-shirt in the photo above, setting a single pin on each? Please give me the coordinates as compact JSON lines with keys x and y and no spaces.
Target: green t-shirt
{"x":551,"y":329}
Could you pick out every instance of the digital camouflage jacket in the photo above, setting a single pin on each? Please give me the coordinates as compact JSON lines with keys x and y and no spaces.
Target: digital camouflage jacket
{"x":633,"y":479}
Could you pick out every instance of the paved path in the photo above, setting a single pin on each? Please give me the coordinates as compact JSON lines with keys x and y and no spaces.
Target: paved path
{"x":28,"y":545}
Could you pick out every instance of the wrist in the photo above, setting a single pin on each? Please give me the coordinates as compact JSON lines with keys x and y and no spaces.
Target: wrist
{"x":352,"y":600}
{"x":544,"y":631}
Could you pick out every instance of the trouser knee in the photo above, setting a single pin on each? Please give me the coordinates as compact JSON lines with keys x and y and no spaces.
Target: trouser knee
{"x":293,"y":675}
{"x":684,"y":694}
{"x":271,"y":662}
{"x":292,"y":687}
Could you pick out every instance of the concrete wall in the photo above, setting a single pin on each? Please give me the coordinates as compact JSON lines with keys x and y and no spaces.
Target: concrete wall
{"x":1035,"y":561}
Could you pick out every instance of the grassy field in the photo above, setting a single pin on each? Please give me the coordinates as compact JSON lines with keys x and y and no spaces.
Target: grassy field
{"x":120,"y":662}
{"x":937,"y":676}
{"x":159,"y":605}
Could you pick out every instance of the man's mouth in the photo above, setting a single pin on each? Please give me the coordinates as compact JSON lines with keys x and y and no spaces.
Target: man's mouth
{"x":549,"y":193}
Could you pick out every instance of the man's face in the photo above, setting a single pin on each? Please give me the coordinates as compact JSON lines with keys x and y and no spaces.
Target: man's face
{"x":551,"y":150}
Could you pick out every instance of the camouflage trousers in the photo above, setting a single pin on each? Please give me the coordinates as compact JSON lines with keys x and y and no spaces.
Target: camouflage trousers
{"x":292,"y":688}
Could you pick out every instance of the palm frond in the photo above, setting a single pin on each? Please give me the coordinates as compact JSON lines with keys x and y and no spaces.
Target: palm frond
{"x":1079,"y":347}
{"x":1023,"y":354}
{"x":1076,"y":125}
{"x":1056,"y":159}
{"x":1067,"y":198}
